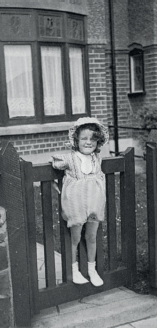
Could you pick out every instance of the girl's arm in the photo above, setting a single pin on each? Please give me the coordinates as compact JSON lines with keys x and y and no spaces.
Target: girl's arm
{"x":59,"y":162}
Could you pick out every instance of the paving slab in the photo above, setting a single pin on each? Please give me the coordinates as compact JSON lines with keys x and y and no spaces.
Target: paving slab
{"x":41,"y":266}
{"x":148,"y":323}
{"x":108,"y":309}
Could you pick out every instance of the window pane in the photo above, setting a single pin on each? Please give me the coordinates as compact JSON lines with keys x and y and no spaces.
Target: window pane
{"x":18,"y":66}
{"x":54,"y":100}
{"x":137,"y":73}
{"x":77,"y":82}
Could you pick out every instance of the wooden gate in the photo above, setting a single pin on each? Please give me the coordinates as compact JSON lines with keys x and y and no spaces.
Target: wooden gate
{"x":151,"y":173}
{"x":120,"y":269}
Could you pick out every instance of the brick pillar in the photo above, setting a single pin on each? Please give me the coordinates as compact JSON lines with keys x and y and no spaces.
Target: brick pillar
{"x":6,"y":304}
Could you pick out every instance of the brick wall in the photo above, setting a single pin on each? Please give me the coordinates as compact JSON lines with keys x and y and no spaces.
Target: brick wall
{"x":97,"y":82}
{"x":39,"y":143}
{"x":123,"y":87}
{"x":6,"y":308}
{"x":148,"y":99}
{"x":150,"y":76}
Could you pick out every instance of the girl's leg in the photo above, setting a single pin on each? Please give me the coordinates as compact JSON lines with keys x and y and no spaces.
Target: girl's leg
{"x":90,"y":235}
{"x":75,"y":239}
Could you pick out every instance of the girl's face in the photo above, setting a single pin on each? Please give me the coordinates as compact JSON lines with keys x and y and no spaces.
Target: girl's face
{"x":86,"y":143}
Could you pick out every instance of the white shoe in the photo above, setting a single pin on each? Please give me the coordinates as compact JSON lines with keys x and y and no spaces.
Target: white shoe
{"x":94,"y":277}
{"x":77,"y":276}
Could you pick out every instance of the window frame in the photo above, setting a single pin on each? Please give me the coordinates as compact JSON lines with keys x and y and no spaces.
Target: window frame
{"x":132,"y":54}
{"x":35,"y":44}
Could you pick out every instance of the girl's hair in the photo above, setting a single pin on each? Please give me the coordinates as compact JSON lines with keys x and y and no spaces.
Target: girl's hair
{"x":97,"y":135}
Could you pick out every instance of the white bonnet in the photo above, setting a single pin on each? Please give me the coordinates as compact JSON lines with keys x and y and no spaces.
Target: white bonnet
{"x":87,"y":120}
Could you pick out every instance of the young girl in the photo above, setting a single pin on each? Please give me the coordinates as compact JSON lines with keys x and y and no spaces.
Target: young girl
{"x":83,"y":192}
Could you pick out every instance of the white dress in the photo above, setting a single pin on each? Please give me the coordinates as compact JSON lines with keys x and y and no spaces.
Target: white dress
{"x":83,"y":194}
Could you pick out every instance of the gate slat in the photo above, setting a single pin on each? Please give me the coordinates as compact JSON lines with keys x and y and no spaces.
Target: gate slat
{"x":65,"y":239}
{"x":112,"y":165}
{"x":128,"y":217}
{"x":100,"y":253}
{"x":45,"y":172}
{"x":30,"y":210}
{"x":151,"y":167}
{"x":123,"y":220}
{"x":111,"y":221}
{"x":83,"y":255}
{"x":48,"y":234}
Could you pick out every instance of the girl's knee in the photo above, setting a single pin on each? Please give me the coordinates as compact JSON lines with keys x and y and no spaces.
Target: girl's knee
{"x":90,"y":237}
{"x":75,"y":239}
{"x":76,"y":234}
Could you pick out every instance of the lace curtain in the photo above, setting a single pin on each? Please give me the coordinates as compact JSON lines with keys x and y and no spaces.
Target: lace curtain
{"x":18,"y":67}
{"x":77,"y":81}
{"x":54,"y":100}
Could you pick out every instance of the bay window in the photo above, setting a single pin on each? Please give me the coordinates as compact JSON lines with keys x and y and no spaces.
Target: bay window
{"x":19,"y":80}
{"x":77,"y":80}
{"x":54,"y":99}
{"x":44,"y":67}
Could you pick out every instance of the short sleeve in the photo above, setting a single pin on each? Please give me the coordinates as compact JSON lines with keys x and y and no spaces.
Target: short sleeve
{"x":60,"y":162}
{"x":99,"y":158}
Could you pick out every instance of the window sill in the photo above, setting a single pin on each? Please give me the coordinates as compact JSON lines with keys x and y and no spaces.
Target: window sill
{"x":35,"y":128}
{"x":135,"y":94}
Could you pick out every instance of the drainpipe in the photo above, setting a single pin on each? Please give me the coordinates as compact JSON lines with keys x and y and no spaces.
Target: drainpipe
{"x":113,"y":67}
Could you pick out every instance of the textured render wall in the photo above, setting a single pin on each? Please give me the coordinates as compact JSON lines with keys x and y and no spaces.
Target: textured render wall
{"x":141,"y":21}
{"x":96,"y":32}
{"x":120,"y":9}
{"x":6,"y":308}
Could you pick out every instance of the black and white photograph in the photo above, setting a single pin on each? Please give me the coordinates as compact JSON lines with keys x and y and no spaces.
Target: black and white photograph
{"x":78,"y":163}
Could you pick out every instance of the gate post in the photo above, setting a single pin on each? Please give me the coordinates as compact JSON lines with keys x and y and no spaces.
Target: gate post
{"x":151,"y":173}
{"x":11,"y":199}
{"x":128,"y":216}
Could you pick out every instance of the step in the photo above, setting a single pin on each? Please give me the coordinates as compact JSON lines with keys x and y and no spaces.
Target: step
{"x":108,"y":309}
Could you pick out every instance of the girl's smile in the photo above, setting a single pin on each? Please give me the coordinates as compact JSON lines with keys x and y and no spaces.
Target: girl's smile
{"x":87,"y":144}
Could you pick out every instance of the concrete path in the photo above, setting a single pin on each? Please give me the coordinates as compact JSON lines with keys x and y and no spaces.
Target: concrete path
{"x":118,"y":307}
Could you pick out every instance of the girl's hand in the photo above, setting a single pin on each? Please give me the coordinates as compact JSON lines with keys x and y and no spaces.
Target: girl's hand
{"x":55,"y":186}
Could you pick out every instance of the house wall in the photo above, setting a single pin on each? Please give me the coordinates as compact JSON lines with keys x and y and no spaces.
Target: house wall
{"x":129,"y":28}
{"x":141,"y":21}
{"x":46,"y":138}
{"x":143,"y":30}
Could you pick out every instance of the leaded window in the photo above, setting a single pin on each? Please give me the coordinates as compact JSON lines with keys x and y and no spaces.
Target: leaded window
{"x":136,"y":71}
{"x":44,"y":69}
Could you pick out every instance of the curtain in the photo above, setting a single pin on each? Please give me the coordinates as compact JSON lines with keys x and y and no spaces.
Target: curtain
{"x":77,"y":81}
{"x":18,"y":67}
{"x":54,"y":100}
